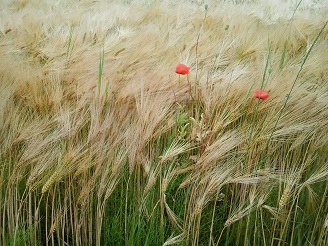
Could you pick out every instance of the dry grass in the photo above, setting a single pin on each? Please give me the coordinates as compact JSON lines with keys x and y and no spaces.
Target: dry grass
{"x":100,"y":137}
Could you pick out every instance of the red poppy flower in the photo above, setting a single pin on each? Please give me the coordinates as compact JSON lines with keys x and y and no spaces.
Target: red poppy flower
{"x":182,"y":69}
{"x":263,"y":95}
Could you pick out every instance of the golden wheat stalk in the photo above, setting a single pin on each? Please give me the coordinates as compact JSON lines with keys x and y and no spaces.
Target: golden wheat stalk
{"x":54,"y":225}
{"x":285,"y":197}
{"x":54,"y":178}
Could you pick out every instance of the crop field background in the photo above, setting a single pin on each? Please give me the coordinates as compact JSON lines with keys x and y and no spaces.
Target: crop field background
{"x":104,"y":142}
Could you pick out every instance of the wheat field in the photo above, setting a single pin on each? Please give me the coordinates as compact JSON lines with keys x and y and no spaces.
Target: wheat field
{"x":103,"y":142}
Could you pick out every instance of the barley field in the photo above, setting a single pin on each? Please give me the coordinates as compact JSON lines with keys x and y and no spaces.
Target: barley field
{"x":163,"y":122}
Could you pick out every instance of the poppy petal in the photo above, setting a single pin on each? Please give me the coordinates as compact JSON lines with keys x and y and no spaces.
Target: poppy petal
{"x":262,"y":95}
{"x":182,"y":69}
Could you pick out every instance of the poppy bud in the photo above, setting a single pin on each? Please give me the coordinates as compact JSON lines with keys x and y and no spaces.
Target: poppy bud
{"x":263,"y":95}
{"x":182,"y":69}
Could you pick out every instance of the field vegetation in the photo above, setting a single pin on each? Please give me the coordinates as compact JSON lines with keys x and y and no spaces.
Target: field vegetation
{"x":103,"y":143}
